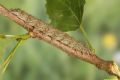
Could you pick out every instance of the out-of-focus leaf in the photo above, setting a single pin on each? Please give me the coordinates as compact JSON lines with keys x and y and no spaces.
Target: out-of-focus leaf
{"x":66,"y":15}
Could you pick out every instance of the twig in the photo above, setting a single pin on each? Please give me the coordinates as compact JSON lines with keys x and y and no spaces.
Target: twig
{"x":40,"y":30}
{"x":8,"y":59}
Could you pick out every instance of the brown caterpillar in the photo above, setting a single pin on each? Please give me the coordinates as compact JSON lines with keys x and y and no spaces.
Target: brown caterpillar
{"x":50,"y":34}
{"x":41,"y":30}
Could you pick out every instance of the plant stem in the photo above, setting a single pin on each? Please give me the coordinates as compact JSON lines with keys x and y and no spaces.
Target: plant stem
{"x":24,"y":36}
{"x":86,"y":37}
{"x":8,"y":59}
{"x":20,"y":39}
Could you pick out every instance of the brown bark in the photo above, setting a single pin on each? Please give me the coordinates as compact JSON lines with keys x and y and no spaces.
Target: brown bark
{"x":41,"y":30}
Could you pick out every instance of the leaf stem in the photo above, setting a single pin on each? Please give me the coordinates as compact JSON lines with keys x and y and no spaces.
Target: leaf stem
{"x":8,"y":59}
{"x":24,"y":36}
{"x":20,"y":39}
{"x":86,"y":37}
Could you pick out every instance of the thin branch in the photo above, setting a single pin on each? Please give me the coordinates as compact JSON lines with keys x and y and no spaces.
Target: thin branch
{"x":41,"y":30}
{"x":8,"y":59}
{"x":23,"y":37}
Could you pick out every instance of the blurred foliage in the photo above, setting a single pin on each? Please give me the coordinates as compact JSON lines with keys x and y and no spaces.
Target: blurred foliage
{"x":37,"y":60}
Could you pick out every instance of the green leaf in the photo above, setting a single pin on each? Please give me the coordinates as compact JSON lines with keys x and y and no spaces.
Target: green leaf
{"x":65,"y":15}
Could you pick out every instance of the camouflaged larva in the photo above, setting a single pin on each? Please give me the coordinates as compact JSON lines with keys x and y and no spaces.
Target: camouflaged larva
{"x":47,"y":30}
